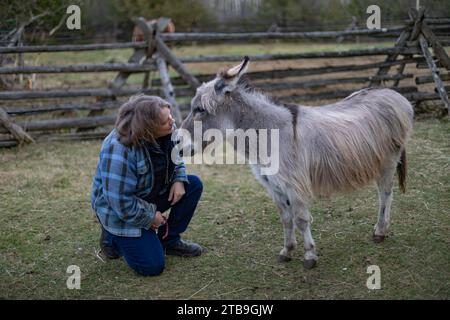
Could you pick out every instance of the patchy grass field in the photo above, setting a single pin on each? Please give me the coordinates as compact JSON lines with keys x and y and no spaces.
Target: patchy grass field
{"x":46,"y":224}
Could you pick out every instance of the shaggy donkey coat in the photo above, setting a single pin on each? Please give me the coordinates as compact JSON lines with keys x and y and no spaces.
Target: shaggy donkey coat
{"x":333,"y":148}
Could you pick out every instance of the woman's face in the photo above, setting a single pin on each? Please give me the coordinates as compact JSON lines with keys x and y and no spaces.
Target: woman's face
{"x":167,"y":122}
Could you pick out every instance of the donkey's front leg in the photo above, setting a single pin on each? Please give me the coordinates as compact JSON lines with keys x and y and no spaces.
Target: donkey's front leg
{"x":283,"y":204}
{"x":303,"y":223}
{"x":289,"y":235}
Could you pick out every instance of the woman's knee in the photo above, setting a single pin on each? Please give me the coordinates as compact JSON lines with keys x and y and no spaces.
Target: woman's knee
{"x":150,"y":270}
{"x":195,"y":183}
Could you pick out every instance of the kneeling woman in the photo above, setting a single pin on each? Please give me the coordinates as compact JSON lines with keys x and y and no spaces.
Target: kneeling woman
{"x":136,"y":180}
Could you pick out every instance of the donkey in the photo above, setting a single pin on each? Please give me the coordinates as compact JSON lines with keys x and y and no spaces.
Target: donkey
{"x":337,"y":147}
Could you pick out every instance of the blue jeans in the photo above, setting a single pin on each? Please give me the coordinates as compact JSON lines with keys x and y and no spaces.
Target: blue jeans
{"x":145,"y":254}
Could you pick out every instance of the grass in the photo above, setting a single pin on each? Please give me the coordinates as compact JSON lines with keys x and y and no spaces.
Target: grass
{"x":46,"y":224}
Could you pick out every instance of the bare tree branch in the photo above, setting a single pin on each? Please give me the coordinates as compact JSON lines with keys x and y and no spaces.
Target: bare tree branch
{"x":61,"y":22}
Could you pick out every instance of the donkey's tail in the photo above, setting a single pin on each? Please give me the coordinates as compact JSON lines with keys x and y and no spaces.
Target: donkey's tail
{"x":402,"y":169}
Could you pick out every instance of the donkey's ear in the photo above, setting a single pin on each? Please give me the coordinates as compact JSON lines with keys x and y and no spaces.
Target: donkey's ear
{"x":229,"y":78}
{"x":237,"y":71}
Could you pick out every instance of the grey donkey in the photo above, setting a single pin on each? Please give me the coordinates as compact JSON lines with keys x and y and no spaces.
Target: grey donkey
{"x":332,"y":148}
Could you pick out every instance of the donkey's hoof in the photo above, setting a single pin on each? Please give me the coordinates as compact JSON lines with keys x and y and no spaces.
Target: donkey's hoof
{"x":309,"y":264}
{"x":377,"y":238}
{"x":282,"y":258}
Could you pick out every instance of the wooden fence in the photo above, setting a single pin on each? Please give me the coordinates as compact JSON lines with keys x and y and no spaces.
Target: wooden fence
{"x":22,"y":121}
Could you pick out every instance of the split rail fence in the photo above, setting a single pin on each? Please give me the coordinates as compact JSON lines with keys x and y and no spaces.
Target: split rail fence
{"x":18,"y":123}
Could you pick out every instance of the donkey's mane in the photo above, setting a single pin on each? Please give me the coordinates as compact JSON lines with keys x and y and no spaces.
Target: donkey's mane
{"x":246,"y":86}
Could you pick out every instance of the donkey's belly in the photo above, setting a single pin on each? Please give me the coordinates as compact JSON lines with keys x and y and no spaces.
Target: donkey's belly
{"x":337,"y":174}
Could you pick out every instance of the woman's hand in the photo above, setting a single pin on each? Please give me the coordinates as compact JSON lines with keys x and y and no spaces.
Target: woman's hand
{"x":157,"y":221}
{"x":176,"y":192}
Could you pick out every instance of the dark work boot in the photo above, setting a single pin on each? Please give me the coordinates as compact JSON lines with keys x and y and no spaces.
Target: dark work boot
{"x":106,"y":247}
{"x":184,"y":249}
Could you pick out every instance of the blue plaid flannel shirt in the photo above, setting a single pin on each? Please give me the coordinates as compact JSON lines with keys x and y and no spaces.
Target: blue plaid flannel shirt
{"x":124,"y":176}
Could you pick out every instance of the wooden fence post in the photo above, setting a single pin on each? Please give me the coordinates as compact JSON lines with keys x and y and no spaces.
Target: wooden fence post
{"x":435,"y":73}
{"x":175,"y":63}
{"x":401,"y":41}
{"x":418,"y":17}
{"x":168,"y":88}
{"x":19,"y":134}
{"x":151,"y":34}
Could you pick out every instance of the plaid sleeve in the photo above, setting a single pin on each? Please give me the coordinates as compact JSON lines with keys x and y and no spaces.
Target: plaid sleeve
{"x":119,"y":182}
{"x":180,"y":172}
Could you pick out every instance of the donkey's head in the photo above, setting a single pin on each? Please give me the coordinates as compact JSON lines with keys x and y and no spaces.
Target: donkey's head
{"x":213,"y":105}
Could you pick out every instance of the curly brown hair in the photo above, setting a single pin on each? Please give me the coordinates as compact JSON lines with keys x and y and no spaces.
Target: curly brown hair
{"x":138,"y":119}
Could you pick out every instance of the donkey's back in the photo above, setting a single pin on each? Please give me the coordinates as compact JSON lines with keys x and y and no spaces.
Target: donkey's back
{"x":347,"y":144}
{"x":379,"y":104}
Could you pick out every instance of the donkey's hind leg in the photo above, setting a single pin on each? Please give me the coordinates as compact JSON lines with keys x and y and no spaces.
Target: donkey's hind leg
{"x":385,"y":193}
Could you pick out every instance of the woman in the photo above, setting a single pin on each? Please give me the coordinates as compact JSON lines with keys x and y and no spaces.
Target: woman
{"x":136,"y":180}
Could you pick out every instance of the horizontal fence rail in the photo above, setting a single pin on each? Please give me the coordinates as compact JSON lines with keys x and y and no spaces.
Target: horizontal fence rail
{"x":149,"y":66}
{"x":37,"y":109}
{"x":189,"y":37}
{"x":182,"y":37}
{"x":67,"y":123}
{"x":306,"y":55}
{"x":73,"y":47}
{"x":111,"y":67}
